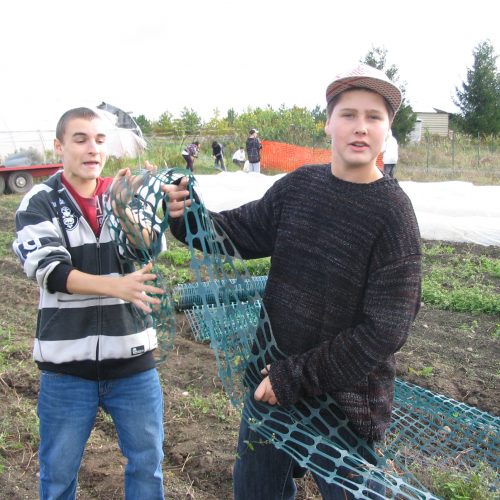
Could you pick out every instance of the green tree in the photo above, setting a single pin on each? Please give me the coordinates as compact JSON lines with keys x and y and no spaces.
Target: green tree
{"x":294,"y":125}
{"x":164,"y":125}
{"x":231,"y":116}
{"x":319,"y":114}
{"x":144,"y":124}
{"x":191,"y":120}
{"x":405,"y":119}
{"x":479,"y":99}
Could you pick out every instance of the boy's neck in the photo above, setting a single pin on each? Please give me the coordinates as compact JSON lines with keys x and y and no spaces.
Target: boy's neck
{"x":358,"y":175}
{"x":84,"y":187}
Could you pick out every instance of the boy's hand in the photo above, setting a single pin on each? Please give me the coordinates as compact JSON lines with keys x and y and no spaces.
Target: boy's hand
{"x":264,"y":391}
{"x":178,"y":197}
{"x":134,"y":288}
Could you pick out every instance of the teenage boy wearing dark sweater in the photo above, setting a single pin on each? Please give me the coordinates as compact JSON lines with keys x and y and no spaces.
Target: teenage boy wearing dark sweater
{"x":344,"y":283}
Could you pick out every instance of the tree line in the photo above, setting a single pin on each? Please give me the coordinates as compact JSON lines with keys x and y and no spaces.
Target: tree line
{"x":478,"y":100}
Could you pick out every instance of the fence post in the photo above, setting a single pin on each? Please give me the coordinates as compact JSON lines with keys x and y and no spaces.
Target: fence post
{"x":478,"y":143}
{"x":453,"y":150}
{"x":428,"y":150}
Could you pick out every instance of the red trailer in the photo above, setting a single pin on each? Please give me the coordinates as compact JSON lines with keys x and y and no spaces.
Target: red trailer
{"x":19,"y":179}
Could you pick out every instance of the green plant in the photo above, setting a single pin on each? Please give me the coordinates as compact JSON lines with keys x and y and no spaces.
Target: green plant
{"x":496,"y":333}
{"x":6,"y":239}
{"x":459,"y":486}
{"x":177,"y":256}
{"x":426,"y":371}
{"x":19,"y":427}
{"x":460,"y":282}
{"x":216,"y":404}
{"x":469,"y":328}
{"x":175,"y":275}
{"x":255,"y":267}
{"x":439,"y":249}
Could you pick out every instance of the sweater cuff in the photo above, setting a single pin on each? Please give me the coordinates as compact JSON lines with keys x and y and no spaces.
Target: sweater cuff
{"x":58,"y":279}
{"x":282,"y":383}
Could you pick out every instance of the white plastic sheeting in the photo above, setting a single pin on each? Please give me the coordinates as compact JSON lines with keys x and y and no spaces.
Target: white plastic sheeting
{"x":448,"y":211}
{"x":121,"y":142}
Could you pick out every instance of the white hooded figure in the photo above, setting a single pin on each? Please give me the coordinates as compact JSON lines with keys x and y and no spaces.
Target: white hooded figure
{"x":390,"y":154}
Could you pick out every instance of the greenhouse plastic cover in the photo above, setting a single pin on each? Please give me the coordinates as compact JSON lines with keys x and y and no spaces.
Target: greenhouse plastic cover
{"x":449,"y":211}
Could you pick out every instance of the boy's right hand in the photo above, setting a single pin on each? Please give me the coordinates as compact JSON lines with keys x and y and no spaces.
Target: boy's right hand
{"x":178,"y":197}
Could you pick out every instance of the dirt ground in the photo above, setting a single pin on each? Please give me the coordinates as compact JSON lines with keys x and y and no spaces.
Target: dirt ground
{"x":449,"y":353}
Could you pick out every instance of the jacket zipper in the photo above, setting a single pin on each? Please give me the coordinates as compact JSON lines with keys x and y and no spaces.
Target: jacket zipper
{"x":99,"y":315}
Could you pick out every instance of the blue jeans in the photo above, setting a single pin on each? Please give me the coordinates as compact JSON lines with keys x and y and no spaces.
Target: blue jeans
{"x":263,"y":472}
{"x":254,"y":167}
{"x":67,"y":409}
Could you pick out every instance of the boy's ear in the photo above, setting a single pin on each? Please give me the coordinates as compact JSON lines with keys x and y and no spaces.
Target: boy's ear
{"x":58,"y":147}
{"x":325,"y":128}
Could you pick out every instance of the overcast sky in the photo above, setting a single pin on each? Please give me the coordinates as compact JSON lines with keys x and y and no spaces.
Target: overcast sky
{"x":150,"y":56}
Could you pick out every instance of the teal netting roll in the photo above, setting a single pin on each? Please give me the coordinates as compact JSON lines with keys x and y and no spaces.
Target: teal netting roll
{"x":425,"y":426}
{"x":442,"y":428}
{"x":314,"y":432}
{"x":233,"y":318}
{"x":188,"y":295}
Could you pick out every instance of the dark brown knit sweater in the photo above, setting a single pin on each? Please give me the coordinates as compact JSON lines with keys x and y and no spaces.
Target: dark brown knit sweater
{"x":343,"y":289}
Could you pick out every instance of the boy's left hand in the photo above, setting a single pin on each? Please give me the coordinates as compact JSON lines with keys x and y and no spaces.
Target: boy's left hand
{"x":264,"y":391}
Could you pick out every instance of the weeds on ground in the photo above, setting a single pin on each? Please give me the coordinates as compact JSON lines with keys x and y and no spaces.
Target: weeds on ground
{"x":18,"y":419}
{"x":6,"y":239}
{"x":191,"y":404}
{"x":450,"y":484}
{"x":458,"y":282}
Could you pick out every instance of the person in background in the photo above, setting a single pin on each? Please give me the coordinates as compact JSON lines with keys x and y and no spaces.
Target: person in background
{"x":390,"y":154}
{"x":239,"y":157}
{"x":218,"y":154}
{"x":189,"y":153}
{"x":344,"y":284}
{"x":253,"y":147}
{"x":90,"y":348}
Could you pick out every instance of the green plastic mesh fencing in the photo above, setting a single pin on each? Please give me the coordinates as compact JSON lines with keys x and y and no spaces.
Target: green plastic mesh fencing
{"x":314,"y":432}
{"x":233,"y":319}
{"x":136,"y":216}
{"x":188,"y":295}
{"x":441,"y":428}
{"x":426,"y":428}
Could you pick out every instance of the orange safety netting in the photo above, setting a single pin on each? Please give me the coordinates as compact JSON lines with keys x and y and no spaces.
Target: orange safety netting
{"x":287,"y":157}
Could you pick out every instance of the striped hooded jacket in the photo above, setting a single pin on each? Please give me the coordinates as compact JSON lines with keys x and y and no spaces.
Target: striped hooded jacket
{"x":84,"y":335}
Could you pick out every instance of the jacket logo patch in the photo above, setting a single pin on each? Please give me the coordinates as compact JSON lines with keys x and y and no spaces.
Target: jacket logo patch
{"x":70,"y":220}
{"x":139,"y":349}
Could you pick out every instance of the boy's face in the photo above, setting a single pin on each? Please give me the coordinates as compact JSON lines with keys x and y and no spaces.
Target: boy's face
{"x":358,"y":126}
{"x":82,"y":150}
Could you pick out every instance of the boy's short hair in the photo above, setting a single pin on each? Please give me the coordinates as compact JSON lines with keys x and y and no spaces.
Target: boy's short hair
{"x":364,"y":77}
{"x":71,"y":114}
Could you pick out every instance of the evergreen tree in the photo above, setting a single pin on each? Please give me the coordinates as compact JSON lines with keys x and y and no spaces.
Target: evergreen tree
{"x":405,"y":119}
{"x":479,"y":99}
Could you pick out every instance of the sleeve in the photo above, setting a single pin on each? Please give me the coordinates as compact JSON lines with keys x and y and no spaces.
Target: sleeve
{"x":251,"y":228}
{"x":391,"y":303}
{"x":39,"y":243}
